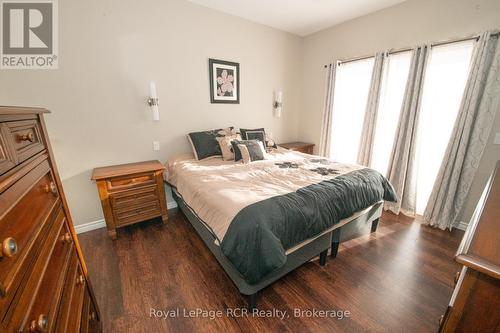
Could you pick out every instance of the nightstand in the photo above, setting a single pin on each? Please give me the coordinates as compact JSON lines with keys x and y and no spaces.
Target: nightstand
{"x":131,"y":193}
{"x":303,"y":147}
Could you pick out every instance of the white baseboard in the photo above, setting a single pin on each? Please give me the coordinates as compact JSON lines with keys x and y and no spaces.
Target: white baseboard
{"x":89,"y":226}
{"x":462,"y":225}
{"x":81,"y":228}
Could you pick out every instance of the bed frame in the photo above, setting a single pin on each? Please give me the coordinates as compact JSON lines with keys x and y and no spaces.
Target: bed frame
{"x":300,"y":254}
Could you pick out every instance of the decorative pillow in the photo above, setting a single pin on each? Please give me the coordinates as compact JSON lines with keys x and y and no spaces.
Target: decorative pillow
{"x":252,"y":151}
{"x":236,"y":149}
{"x":257,"y":134}
{"x":253,"y":134}
{"x":226,"y":147}
{"x":204,"y":144}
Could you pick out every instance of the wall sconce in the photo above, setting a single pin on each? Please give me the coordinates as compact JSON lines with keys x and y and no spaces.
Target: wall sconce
{"x":153,"y":101}
{"x":278,"y":104}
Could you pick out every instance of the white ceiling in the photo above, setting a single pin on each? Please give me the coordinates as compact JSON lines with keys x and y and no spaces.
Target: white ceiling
{"x":300,"y":17}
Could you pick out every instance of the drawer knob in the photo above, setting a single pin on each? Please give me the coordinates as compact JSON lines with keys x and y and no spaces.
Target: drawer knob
{"x":51,"y":188}
{"x":9,"y":248}
{"x":80,"y":279}
{"x":41,"y":324}
{"x":27,"y":137}
{"x":457,"y":277}
{"x":66,"y":238}
{"x":93,"y":316}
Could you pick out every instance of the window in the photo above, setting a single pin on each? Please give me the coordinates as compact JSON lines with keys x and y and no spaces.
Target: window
{"x":444,"y":84}
{"x":352,"y":84}
{"x":396,"y":69}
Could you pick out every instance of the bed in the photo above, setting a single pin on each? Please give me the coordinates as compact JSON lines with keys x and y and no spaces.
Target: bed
{"x":263,"y":219}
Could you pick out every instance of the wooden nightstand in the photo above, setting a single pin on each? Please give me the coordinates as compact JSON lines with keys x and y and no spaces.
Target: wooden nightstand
{"x":303,"y":147}
{"x":131,"y":193}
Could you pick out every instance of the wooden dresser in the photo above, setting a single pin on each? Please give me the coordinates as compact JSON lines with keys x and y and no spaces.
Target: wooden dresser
{"x":303,"y":147}
{"x":43,"y":278}
{"x":475,"y":303}
{"x":131,"y":193}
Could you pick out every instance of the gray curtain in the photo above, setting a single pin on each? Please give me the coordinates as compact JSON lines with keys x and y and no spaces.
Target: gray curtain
{"x":368,"y":133}
{"x":326,"y":124}
{"x":469,"y":137}
{"x":402,"y":171}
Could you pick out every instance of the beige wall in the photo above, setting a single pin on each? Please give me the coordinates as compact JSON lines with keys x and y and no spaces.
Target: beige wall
{"x":407,"y":24}
{"x":110,"y":50}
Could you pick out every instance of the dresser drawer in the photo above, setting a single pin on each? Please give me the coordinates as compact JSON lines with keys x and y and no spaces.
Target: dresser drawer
{"x":7,"y":157}
{"x":24,"y":137}
{"x":42,"y":315}
{"x":85,"y":321}
{"x":90,"y":321}
{"x":130,"y":181}
{"x":94,"y":321}
{"x":134,"y":197}
{"x":25,"y":208}
{"x":137,"y":213}
{"x":70,"y":312}
{"x":16,"y":315}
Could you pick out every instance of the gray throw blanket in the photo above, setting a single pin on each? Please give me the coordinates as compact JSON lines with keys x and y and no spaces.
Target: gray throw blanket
{"x":260,"y":233}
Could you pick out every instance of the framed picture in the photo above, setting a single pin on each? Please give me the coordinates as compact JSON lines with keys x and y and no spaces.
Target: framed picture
{"x":224,"y":81}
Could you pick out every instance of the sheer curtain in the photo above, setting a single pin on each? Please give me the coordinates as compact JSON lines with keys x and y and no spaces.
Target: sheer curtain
{"x":352,"y":84}
{"x":476,"y":114}
{"x":326,"y":124}
{"x":394,"y":79}
{"x":365,"y":150}
{"x":444,"y":85}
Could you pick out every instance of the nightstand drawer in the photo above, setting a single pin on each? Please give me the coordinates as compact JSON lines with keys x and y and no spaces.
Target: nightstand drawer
{"x":139,"y":196}
{"x":129,"y":182}
{"x":137,"y":213}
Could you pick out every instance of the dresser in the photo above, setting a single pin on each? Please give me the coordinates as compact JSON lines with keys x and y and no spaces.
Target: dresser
{"x":44,"y":285}
{"x":475,"y":302}
{"x":131,"y":193}
{"x":303,"y":147}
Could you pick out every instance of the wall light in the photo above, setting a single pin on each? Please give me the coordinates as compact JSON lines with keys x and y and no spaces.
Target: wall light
{"x":153,"y":101}
{"x":278,"y":103}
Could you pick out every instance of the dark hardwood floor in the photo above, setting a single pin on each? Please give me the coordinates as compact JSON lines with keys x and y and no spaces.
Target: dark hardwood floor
{"x":397,"y":280}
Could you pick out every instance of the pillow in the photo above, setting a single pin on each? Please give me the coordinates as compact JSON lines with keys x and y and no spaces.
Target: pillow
{"x":252,"y":151}
{"x":204,"y":144}
{"x":236,"y":149}
{"x":226,"y":147}
{"x":258,"y":134}
{"x":253,"y":134}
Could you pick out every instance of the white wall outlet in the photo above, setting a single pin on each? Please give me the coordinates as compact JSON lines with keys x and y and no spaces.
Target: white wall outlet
{"x":156,"y":145}
{"x":496,"y":141}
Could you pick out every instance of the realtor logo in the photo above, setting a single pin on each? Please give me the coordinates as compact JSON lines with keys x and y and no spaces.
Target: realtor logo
{"x":29,"y":34}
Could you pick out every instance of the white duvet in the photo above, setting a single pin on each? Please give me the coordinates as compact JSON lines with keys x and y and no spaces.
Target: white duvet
{"x":217,"y":190}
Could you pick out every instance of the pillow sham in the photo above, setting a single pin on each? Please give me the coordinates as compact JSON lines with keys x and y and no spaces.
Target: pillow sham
{"x":252,"y":151}
{"x":258,"y":134}
{"x":226,"y":147}
{"x":253,"y":134}
{"x":205,"y":144}
{"x":236,"y":149}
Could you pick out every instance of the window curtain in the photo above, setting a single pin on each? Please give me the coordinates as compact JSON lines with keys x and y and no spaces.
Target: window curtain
{"x":326,"y":125}
{"x":469,"y":137}
{"x":368,"y":133}
{"x":402,"y":171}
